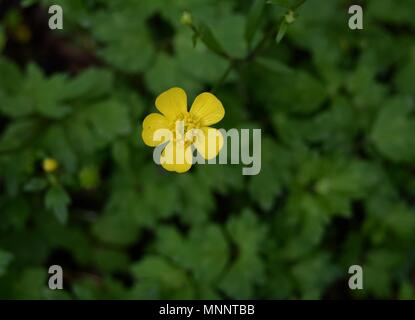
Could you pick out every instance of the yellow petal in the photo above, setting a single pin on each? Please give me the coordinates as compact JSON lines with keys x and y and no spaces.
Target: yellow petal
{"x":151,"y":124}
{"x":172,"y":103}
{"x":208,"y":109}
{"x":208,"y":142}
{"x":176,"y":157}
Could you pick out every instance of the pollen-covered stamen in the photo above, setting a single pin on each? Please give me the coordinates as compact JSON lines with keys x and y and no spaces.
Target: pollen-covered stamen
{"x":191,"y":122}
{"x":183,"y":124}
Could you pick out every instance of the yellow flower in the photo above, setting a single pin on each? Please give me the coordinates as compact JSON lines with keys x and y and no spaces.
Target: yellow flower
{"x":185,"y":128}
{"x":50,"y":165}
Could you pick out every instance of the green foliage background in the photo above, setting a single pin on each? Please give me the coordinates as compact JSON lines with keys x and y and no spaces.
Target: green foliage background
{"x":337,"y":184}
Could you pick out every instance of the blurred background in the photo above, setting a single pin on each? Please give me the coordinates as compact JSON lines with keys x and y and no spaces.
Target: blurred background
{"x":79,"y":189}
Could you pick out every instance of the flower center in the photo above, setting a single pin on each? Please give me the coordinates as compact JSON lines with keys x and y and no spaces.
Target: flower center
{"x":183,"y":124}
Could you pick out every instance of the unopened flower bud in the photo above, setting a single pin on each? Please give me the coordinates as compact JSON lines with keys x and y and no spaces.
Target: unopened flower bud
{"x":50,"y":165}
{"x":186,"y":19}
{"x":290,"y":17}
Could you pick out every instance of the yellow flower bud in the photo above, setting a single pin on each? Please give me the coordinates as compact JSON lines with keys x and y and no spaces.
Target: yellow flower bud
{"x":290,"y":17}
{"x":22,"y":33}
{"x":186,"y":18}
{"x":50,"y":165}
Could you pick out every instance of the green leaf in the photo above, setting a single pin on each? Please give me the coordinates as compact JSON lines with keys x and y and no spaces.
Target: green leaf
{"x":208,"y":38}
{"x":15,"y":215}
{"x":115,"y":227}
{"x":28,"y":3}
{"x":109,"y":119}
{"x":158,"y":279}
{"x":110,"y":260}
{"x":35,"y":185}
{"x":229,"y":31}
{"x":253,"y":19}
{"x":90,"y":84}
{"x":126,"y":40}
{"x":274,"y":65}
{"x":18,"y":134}
{"x":288,"y":4}
{"x":394,"y":130}
{"x":166,"y":73}
{"x":314,"y":274}
{"x":380,"y":270}
{"x":87,"y":288}
{"x":5,"y":259}
{"x":31,"y":284}
{"x":11,"y":79}
{"x":210,"y":66}
{"x":404,"y":78}
{"x":248,"y":269}
{"x":121,"y":153}
{"x":299,"y":92}
{"x":401,"y":15}
{"x":282,"y":30}
{"x":57,"y":200}
{"x":265,"y":186}
{"x":406,"y":291}
{"x":89,"y":177}
{"x":204,"y":252}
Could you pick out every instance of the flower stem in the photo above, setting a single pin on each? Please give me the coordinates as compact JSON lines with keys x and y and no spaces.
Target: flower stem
{"x":224,"y":76}
{"x":269,"y":35}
